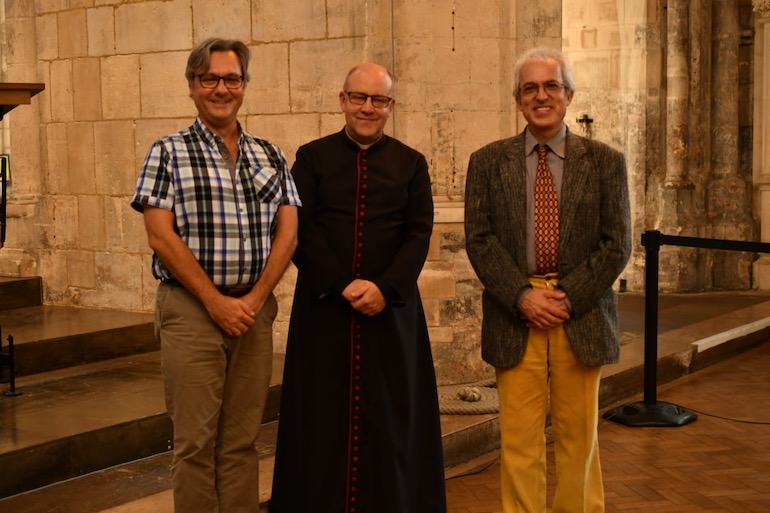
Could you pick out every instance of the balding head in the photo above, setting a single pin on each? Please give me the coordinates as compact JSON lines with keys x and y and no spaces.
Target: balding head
{"x":367,"y":101}
{"x":371,"y":71}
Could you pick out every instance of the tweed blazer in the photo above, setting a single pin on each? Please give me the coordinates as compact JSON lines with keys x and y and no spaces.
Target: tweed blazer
{"x":594,"y":245}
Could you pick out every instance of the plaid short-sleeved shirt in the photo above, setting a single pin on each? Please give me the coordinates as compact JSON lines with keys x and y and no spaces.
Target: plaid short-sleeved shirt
{"x":227,"y":223}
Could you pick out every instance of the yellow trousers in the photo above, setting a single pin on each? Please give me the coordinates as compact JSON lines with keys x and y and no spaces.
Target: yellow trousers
{"x":550,"y":366}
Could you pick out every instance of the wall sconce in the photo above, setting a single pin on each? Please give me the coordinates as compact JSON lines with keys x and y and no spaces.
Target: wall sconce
{"x":585,"y":125}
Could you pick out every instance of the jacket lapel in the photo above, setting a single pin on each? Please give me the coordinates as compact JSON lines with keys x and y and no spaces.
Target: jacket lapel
{"x":576,"y":172}
{"x":513,"y":175}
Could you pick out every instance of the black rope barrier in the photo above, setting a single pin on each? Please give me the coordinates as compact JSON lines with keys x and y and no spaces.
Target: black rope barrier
{"x":650,"y":412}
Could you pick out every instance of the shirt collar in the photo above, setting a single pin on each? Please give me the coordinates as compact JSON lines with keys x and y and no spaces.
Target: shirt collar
{"x":210,"y":137}
{"x":557,"y":143}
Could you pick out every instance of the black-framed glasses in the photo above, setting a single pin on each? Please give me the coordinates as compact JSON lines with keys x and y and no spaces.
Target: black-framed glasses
{"x":378,"y":101}
{"x":551,"y":88}
{"x":211,"y":81}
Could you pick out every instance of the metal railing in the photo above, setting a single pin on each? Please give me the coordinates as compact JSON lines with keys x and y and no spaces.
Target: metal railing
{"x":650,"y":412}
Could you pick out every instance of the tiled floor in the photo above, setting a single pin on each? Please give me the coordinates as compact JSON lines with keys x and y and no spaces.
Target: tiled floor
{"x":719,"y":463}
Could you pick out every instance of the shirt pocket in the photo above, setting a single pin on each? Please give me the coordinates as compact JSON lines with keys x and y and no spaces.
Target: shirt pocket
{"x":267,"y":184}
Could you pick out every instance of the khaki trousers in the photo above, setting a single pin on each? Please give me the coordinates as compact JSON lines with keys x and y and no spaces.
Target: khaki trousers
{"x":550,"y":365}
{"x":215,"y":388}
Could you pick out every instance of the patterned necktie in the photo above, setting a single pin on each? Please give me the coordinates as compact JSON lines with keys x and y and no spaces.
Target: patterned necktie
{"x":546,"y":216}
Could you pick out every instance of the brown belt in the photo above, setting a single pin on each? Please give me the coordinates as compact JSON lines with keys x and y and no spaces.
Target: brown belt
{"x":236,"y":291}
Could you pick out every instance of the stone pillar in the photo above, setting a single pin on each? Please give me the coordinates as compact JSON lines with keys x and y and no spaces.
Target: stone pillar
{"x":728,"y":192}
{"x":677,"y":100}
{"x":677,"y":195}
{"x":761,"y":177}
{"x":20,"y":139}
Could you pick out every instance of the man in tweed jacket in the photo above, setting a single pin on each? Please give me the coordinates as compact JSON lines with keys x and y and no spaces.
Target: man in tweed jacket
{"x":547,"y":333}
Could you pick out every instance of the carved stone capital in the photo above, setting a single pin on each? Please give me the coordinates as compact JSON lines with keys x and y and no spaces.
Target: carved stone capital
{"x":761,"y":7}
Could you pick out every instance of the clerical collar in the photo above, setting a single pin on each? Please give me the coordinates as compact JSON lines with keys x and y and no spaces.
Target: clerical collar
{"x":361,"y":145}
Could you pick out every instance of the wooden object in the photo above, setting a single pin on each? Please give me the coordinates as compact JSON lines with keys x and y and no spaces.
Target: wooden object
{"x":13,"y":94}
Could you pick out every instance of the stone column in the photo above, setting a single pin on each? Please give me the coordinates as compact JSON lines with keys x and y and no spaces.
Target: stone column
{"x":677,"y":99}
{"x":728,"y":202}
{"x":761,"y":274}
{"x":677,"y":195}
{"x":20,"y":138}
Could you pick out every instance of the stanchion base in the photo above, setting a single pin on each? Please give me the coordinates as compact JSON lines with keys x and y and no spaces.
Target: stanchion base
{"x":657,"y":414}
{"x":15,"y":393}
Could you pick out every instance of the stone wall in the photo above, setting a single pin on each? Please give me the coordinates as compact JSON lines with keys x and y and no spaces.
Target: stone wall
{"x":113,"y":71}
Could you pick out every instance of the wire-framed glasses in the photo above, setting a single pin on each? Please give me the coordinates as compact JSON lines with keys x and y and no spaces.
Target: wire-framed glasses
{"x":551,"y":88}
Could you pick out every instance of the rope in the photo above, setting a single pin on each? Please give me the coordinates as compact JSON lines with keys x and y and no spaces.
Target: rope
{"x":471,"y":399}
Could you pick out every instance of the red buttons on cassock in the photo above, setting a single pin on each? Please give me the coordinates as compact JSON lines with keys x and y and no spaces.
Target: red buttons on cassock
{"x":356,"y":382}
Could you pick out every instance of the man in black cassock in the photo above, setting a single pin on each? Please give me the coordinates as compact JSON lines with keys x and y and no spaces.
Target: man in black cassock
{"x":359,"y":426}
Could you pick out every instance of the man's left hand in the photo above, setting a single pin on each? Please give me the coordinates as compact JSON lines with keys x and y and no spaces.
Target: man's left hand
{"x":544,"y":309}
{"x":365,"y":297}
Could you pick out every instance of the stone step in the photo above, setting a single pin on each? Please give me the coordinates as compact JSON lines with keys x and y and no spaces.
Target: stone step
{"x":146,"y":482}
{"x":47,"y":338}
{"x":70,"y":423}
{"x":20,"y":292}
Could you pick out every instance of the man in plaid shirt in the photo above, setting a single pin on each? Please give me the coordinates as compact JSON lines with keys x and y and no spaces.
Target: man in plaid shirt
{"x":220,"y":209}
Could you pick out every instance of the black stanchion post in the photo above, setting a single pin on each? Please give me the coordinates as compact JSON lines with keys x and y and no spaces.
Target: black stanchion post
{"x":651,"y":412}
{"x":2,"y":205}
{"x":651,"y":240}
{"x":12,"y":370}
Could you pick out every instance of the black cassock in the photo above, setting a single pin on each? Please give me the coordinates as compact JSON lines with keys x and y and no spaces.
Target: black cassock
{"x":359,"y":425}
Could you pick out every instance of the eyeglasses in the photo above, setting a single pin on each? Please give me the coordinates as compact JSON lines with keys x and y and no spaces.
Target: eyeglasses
{"x":379,"y":102}
{"x":531,"y":89}
{"x":209,"y":81}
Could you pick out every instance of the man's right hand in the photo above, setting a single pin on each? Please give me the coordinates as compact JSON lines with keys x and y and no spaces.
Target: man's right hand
{"x":232,"y":314}
{"x":544,"y":309}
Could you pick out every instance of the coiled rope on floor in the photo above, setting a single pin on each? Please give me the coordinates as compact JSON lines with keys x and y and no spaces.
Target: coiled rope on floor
{"x":470,"y":399}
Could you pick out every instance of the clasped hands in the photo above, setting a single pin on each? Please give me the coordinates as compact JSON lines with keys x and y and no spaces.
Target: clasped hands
{"x":544,"y":309}
{"x":235,"y":315}
{"x":365,"y":297}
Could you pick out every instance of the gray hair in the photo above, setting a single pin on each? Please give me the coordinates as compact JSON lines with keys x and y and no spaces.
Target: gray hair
{"x":543,"y":54}
{"x":200,"y":56}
